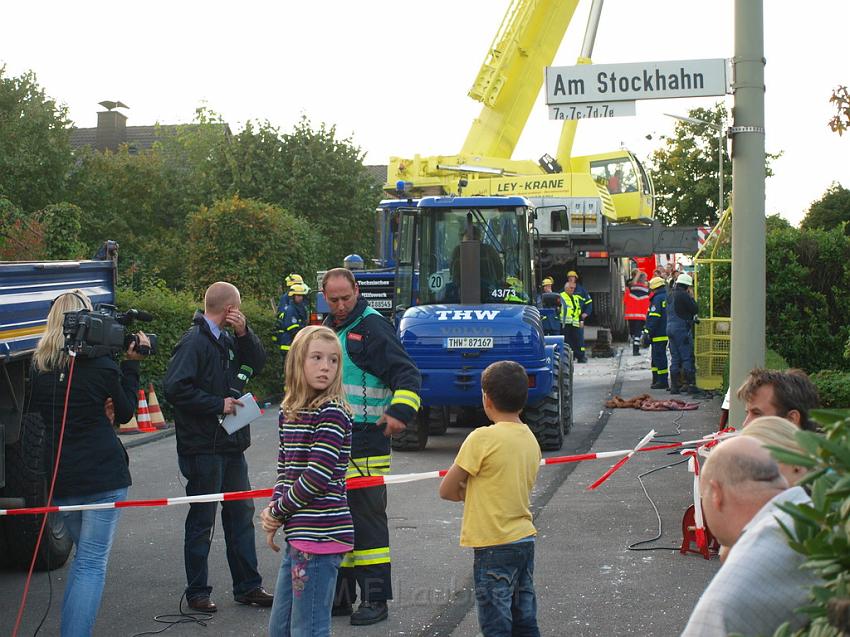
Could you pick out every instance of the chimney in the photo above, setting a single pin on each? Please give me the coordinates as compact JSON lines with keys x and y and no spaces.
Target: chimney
{"x":111,"y":130}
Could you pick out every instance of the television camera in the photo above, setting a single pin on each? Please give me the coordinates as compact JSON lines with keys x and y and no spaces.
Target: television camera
{"x":101,"y":332}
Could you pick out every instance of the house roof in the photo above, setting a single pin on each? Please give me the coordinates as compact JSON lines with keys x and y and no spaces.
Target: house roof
{"x":137,"y":137}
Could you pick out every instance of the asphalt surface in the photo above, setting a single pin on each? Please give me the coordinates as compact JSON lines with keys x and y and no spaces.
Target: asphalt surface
{"x":587,"y":581}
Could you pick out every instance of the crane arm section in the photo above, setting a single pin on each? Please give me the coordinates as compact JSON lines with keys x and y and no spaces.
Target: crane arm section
{"x":510,"y":78}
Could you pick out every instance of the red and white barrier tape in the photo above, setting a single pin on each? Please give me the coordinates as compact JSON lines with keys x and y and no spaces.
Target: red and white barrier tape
{"x":373,"y":481}
{"x":699,"y":523}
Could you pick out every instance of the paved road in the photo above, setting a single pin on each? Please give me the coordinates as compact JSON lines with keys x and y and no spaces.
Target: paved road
{"x":588,"y":583}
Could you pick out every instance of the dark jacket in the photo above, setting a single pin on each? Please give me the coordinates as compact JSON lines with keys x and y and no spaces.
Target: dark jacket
{"x":682,"y":305}
{"x":289,"y":322}
{"x":656,"y":316}
{"x":93,"y":460}
{"x":380,"y":353}
{"x":200,"y":375}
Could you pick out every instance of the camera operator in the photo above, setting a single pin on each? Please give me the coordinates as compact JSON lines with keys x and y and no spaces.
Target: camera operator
{"x":93,"y":465}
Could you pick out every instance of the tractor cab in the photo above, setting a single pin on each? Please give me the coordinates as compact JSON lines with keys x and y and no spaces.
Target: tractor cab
{"x":465,"y":250}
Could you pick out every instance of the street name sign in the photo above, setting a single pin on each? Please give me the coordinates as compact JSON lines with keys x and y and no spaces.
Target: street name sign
{"x":586,"y":83}
{"x":591,"y":110}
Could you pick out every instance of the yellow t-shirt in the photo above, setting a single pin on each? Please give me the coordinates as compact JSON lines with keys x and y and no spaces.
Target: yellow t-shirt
{"x":502,"y":462}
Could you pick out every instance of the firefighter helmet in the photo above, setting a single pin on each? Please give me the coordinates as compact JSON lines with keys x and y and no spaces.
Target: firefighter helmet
{"x":656,"y":282}
{"x":298,"y":289}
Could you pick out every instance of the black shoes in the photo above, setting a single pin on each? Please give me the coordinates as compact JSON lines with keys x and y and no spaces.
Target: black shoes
{"x":659,"y":386}
{"x":369,"y":613}
{"x":258,"y":596}
{"x":202,"y":604}
{"x":342,"y":610}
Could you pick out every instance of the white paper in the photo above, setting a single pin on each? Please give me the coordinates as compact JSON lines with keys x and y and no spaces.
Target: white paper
{"x":247,"y":413}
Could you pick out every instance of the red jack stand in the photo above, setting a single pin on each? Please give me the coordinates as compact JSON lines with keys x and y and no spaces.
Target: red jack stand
{"x":706,"y":544}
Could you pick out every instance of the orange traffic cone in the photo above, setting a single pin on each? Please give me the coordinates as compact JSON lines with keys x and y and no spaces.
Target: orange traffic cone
{"x":143,"y":415}
{"x":131,"y":427}
{"x":157,"y":419}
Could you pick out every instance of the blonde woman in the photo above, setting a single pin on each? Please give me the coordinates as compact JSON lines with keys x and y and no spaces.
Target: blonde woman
{"x":93,"y":466}
{"x":773,"y":431}
{"x":309,"y":498}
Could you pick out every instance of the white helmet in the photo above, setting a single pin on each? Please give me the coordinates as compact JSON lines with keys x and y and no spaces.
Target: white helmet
{"x":685,"y":279}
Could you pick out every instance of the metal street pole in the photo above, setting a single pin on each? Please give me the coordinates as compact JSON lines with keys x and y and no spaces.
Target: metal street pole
{"x":748,"y":225}
{"x":720,"y":131}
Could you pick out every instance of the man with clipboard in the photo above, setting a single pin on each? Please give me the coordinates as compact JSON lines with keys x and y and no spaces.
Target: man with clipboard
{"x":204,"y":381}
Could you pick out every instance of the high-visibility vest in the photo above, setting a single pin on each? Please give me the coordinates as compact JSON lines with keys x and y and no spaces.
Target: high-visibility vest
{"x":366,"y":393}
{"x":635,"y":307}
{"x":570,"y":310}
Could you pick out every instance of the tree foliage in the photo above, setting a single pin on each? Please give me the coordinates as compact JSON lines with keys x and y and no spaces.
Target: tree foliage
{"x":61,"y":225}
{"x":807,"y":311}
{"x":248,"y":243}
{"x":820,"y":529}
{"x":35,"y":152}
{"x":21,"y":236}
{"x":685,"y":170}
{"x":327,"y":184}
{"x":840,"y":98}
{"x":830,"y":211}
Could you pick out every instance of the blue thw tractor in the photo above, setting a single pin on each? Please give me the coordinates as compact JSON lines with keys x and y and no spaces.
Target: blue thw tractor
{"x":464,"y":298}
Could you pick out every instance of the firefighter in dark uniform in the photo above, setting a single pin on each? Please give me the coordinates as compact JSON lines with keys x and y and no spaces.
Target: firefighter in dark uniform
{"x":288,"y":282}
{"x":292,"y":319}
{"x":655,"y":332}
{"x":548,"y":314}
{"x":682,"y":312}
{"x":382,"y":385}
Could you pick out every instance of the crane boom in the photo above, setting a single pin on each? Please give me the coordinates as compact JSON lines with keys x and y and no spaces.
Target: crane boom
{"x":510,"y":77}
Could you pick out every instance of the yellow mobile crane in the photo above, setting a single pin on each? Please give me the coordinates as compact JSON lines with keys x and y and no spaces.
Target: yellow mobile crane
{"x":593,"y":210}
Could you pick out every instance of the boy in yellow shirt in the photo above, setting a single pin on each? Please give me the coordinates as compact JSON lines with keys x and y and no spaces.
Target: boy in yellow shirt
{"x":493,"y":474}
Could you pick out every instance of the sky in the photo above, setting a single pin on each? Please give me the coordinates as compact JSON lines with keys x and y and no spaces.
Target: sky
{"x":394,"y":76}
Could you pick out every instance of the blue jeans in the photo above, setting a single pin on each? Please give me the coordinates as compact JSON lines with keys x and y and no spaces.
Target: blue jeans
{"x":218,"y":473}
{"x":504,"y":590}
{"x":304,"y":594}
{"x":92,"y":532}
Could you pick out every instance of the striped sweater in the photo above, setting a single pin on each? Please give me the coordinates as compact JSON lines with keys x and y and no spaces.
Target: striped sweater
{"x":309,"y":495}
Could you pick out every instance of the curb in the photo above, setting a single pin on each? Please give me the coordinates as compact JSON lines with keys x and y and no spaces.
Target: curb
{"x":136,"y":442}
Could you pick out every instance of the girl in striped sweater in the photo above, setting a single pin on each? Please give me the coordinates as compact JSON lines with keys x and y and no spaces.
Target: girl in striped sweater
{"x":309,"y":499}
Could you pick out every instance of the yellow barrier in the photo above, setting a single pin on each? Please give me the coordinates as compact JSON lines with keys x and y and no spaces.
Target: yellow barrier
{"x":713,"y":334}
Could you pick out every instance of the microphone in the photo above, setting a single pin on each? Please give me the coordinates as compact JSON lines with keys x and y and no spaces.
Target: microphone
{"x":242,"y":377}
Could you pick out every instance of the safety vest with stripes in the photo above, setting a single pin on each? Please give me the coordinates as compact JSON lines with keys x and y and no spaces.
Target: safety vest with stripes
{"x":570,"y":310}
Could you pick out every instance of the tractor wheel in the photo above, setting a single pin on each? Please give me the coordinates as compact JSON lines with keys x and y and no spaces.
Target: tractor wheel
{"x":438,"y":420}
{"x":546,"y":417}
{"x":567,"y":397}
{"x":28,"y":474}
{"x":415,"y":436}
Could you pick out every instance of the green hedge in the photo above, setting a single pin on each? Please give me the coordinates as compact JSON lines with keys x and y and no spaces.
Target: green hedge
{"x":173,"y":312}
{"x":833,"y":388}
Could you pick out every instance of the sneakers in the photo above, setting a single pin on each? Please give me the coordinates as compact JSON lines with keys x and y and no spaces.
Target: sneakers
{"x":369,"y":613}
{"x":258,"y":596}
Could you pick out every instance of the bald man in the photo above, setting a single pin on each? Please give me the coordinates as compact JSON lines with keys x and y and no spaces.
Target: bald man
{"x":203,"y":385}
{"x":760,"y":585}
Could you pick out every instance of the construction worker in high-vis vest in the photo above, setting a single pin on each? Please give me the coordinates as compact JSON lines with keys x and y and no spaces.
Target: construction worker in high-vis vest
{"x":586,"y":310}
{"x":571,"y":317}
{"x":381,"y":384}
